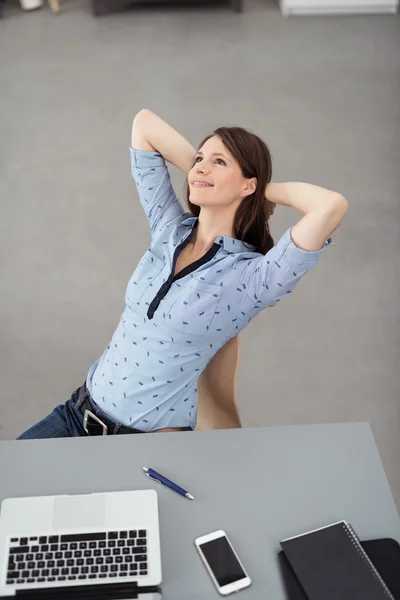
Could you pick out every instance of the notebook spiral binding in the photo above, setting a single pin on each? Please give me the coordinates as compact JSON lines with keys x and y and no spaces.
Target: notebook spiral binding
{"x":356,"y":543}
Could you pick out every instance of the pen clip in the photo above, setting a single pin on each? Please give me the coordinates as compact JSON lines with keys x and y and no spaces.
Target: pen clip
{"x":151,"y":477}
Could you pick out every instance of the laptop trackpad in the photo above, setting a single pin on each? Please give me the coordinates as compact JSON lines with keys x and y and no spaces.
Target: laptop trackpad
{"x":74,"y":512}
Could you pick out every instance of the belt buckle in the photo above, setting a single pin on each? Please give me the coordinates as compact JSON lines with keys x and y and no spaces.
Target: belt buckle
{"x":86,"y":415}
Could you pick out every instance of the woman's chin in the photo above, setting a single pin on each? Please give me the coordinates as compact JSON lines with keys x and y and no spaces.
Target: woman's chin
{"x":199,"y":201}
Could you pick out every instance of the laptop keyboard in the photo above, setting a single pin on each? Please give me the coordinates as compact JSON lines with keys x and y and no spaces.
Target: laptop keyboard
{"x":77,"y":557}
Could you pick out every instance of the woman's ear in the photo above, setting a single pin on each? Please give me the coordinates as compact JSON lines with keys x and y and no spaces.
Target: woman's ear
{"x":250,"y":187}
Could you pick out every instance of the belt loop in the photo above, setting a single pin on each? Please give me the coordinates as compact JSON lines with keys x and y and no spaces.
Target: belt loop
{"x":81,"y":395}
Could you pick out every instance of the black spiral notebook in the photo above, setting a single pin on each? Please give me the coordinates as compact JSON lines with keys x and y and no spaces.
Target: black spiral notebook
{"x":331,"y":564}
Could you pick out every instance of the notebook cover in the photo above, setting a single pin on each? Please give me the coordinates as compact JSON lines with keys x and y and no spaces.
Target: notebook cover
{"x":384,"y":553}
{"x":331,"y":566}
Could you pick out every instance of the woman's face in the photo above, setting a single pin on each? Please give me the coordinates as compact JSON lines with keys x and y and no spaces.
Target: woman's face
{"x":216,"y":178}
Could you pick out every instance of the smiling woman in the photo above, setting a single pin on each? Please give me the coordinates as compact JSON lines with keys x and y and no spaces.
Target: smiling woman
{"x":205,"y":276}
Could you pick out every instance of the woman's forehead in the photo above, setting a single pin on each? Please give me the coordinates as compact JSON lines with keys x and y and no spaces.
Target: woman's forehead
{"x":215,"y":145}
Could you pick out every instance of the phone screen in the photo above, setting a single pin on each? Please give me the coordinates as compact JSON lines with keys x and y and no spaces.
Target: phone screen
{"x":222,"y":560}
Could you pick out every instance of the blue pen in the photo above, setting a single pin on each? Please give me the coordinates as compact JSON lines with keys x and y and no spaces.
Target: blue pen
{"x":157,"y":477}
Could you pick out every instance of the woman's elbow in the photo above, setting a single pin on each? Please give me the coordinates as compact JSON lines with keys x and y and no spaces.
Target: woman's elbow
{"x":340,"y":203}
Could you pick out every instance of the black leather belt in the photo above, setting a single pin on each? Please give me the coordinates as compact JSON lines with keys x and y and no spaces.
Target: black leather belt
{"x":95,"y":425}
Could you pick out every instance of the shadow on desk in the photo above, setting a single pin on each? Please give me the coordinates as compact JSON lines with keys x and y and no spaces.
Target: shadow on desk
{"x":104,"y":7}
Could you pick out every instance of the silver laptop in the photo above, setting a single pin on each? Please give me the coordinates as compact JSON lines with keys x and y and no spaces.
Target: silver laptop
{"x":50,"y":545}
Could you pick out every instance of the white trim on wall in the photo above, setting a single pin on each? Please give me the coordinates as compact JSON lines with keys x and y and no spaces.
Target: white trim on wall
{"x":337,"y":7}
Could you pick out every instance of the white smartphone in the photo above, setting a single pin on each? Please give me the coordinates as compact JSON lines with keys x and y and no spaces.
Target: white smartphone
{"x":222,"y":562}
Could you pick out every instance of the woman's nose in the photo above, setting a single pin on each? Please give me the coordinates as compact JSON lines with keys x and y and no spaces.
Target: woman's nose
{"x":202,"y":168}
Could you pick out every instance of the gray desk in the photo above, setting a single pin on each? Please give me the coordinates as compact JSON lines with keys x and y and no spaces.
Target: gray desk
{"x":260,"y":485}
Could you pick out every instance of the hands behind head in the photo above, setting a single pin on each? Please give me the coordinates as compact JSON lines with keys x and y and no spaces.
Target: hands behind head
{"x":269,"y":209}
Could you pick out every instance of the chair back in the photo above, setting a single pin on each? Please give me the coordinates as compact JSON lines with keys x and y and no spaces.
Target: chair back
{"x":217,"y":407}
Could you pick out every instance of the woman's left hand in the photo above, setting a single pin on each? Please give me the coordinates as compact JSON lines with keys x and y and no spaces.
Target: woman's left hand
{"x":269,"y":209}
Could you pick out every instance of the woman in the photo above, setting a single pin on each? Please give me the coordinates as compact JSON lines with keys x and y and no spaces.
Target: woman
{"x":204,"y":277}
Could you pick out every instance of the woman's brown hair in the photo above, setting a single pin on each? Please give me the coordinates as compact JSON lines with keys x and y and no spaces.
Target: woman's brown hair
{"x":254,"y":158}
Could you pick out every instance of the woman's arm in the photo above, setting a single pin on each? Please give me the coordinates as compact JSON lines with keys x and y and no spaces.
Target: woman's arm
{"x":150,"y":133}
{"x":324,"y":210}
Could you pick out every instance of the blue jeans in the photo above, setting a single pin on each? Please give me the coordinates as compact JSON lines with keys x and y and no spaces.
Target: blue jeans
{"x":66,"y":420}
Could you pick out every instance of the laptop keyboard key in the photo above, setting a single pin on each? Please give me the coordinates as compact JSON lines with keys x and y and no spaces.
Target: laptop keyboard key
{"x":13,"y":574}
{"x":19,"y":550}
{"x":133,"y":534}
{"x":140,"y":558}
{"x":113,"y":535}
{"x":23,"y":541}
{"x":142,"y":533}
{"x":43,"y":539}
{"x":53,"y":539}
{"x":82,"y":537}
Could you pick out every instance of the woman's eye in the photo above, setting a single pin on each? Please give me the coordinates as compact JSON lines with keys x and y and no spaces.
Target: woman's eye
{"x":218,"y":159}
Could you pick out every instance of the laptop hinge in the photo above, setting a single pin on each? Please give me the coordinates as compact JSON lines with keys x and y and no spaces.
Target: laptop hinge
{"x":113,"y":591}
